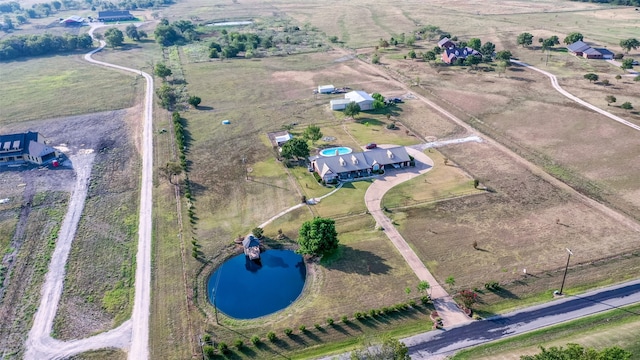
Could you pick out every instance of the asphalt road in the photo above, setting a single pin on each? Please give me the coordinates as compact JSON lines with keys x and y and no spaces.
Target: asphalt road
{"x":446,"y":342}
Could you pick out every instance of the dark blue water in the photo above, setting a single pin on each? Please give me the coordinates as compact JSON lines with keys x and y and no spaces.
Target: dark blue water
{"x":245,"y":289}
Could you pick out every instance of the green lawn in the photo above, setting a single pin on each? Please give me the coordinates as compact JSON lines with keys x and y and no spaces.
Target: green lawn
{"x":442,"y":182}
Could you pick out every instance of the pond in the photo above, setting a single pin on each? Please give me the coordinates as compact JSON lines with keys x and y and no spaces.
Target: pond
{"x":334,"y":151}
{"x":248,"y":289}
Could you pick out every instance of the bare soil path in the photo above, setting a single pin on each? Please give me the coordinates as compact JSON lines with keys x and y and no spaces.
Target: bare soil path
{"x":447,"y":308}
{"x":554,"y":83}
{"x":134,"y":333}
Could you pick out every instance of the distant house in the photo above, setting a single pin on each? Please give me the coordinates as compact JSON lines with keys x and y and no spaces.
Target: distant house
{"x":73,"y":21}
{"x":359,"y":164}
{"x":251,"y":247}
{"x":450,"y":55}
{"x":580,"y":48}
{"x":445,"y":43}
{"x":115,"y":15}
{"x":27,"y":147}
{"x":361,"y":98}
{"x":326,"y":89}
{"x":278,"y":138}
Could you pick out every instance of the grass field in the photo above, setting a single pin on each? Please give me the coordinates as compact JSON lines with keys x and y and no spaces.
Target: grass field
{"x":47,"y":87}
{"x":442,"y":182}
{"x":30,"y":264}
{"x":522,"y":224}
{"x":618,"y":327}
{"x":525,"y":224}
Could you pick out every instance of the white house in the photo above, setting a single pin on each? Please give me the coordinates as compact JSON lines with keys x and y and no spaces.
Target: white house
{"x":361,"y":98}
{"x":326,"y":89}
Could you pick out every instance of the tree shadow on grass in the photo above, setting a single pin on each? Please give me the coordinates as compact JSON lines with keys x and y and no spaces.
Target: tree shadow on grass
{"x":312,"y":336}
{"x":204,"y":108}
{"x":340,"y":329}
{"x":369,"y":121}
{"x":281,"y":344}
{"x":350,"y":260}
{"x":297,"y":339}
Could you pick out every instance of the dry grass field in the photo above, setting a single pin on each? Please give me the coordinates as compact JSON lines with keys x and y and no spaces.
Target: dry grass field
{"x":237,"y":183}
{"x":525,"y":224}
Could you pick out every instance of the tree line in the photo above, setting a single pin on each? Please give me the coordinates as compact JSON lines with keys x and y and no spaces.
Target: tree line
{"x":20,"y":46}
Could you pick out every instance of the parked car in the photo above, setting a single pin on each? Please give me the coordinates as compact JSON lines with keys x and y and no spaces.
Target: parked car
{"x":371,"y":146}
{"x":396,"y":100}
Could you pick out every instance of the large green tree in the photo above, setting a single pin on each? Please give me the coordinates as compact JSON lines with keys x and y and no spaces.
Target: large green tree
{"x":132,"y":32}
{"x":591,"y":77}
{"x":313,"y":133}
{"x":627,"y":64}
{"x":573,"y":37}
{"x":295,"y":148}
{"x":504,"y":55}
{"x":475,"y":44}
{"x":579,"y":352}
{"x":161,"y":70}
{"x":488,"y":48}
{"x":113,"y":37}
{"x":318,"y":236}
{"x":629,"y":44}
{"x":352,"y":109}
{"x":525,"y":39}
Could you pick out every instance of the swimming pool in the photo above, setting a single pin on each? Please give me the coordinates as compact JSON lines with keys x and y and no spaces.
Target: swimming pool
{"x":342,"y":150}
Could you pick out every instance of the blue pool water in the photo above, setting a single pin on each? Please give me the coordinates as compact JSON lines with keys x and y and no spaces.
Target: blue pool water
{"x":245,"y":289}
{"x":342,"y":150}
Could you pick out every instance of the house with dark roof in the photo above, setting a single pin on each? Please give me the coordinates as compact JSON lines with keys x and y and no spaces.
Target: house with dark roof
{"x":450,"y":55}
{"x":26,"y":147}
{"x":445,"y":43}
{"x":359,"y":164}
{"x":580,"y":48}
{"x":115,"y":15}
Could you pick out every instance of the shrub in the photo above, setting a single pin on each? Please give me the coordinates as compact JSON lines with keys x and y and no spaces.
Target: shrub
{"x":255,"y":340}
{"x":209,"y":351}
{"x":288,"y":331}
{"x":317,"y":326}
{"x":238,"y":344}
{"x":358,"y":315}
{"x":257,"y":232}
{"x":425,"y":299}
{"x":271,"y":336}
{"x":345,"y":319}
{"x":330,"y":321}
{"x":303,"y":199}
{"x":206,"y":338}
{"x":385,"y":310}
{"x":391,"y":126}
{"x":222,"y":346}
{"x":302,"y":328}
{"x":373,"y":312}
{"x":412,"y":303}
{"x":492,"y":285}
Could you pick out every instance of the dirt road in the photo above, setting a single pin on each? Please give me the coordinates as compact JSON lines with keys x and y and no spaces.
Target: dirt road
{"x":554,"y":83}
{"x":447,"y":309}
{"x":134,"y":333}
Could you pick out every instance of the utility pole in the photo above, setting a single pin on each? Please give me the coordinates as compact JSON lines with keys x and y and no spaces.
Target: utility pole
{"x":565,"y":271}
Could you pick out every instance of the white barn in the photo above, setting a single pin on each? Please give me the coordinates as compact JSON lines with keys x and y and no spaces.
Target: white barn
{"x":339,"y":104}
{"x":361,"y":98}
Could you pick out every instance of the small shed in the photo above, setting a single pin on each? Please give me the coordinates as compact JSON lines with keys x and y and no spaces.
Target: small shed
{"x":281,"y":139}
{"x":339,"y":104}
{"x":326,"y":89}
